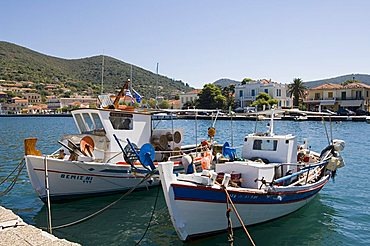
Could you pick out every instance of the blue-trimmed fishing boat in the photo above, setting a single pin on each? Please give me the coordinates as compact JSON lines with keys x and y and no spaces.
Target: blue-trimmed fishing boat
{"x":274,"y":177}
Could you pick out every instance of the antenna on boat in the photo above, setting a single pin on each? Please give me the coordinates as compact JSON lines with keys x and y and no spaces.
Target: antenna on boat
{"x":131,"y":78}
{"x":232,"y":130}
{"x":271,"y":128}
{"x":326,"y":130}
{"x":102,"y":75}
{"x":156,"y":86}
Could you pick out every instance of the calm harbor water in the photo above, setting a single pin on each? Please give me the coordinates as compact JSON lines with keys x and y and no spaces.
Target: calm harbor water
{"x":339,"y":215}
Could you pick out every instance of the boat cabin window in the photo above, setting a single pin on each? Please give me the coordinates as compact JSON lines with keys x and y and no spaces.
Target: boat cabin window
{"x":80,"y":123}
{"x":88,"y":121}
{"x":121,"y":121}
{"x":265,"y":144}
{"x":97,"y":121}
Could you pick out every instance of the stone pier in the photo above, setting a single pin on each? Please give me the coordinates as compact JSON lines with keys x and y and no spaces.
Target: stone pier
{"x":14,"y":232}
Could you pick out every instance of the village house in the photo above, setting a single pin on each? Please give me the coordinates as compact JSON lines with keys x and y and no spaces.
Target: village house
{"x":81,"y":101}
{"x":52,"y":102}
{"x":191,"y":96}
{"x":33,"y":98}
{"x":3,"y":95}
{"x":246,"y":94}
{"x":334,"y":96}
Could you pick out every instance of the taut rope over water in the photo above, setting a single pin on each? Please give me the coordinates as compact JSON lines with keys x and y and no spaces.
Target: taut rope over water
{"x":149,"y":175}
{"x":237,"y":215}
{"x":19,"y":167}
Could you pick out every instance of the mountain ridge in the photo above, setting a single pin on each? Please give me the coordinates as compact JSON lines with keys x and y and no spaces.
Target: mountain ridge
{"x":19,"y":63}
{"x":364,"y":78}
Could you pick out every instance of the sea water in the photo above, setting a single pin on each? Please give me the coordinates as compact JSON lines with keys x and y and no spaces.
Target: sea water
{"x":339,"y":215}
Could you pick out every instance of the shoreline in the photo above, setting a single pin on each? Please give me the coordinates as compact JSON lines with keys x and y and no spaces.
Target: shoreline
{"x":222,"y":117}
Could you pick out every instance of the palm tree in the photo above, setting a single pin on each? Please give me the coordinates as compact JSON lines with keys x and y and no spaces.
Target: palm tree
{"x":296,"y":89}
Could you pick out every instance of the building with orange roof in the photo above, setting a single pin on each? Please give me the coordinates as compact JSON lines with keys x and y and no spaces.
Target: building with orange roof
{"x":190,"y":96}
{"x":175,"y":104}
{"x":334,"y":96}
{"x":3,"y":95}
{"x":33,"y":98}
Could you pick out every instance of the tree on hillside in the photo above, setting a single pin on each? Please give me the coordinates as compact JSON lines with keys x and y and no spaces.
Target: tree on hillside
{"x":296,"y":89}
{"x":350,"y":81}
{"x":264,"y":99}
{"x":211,"y":97}
{"x":246,"y":80}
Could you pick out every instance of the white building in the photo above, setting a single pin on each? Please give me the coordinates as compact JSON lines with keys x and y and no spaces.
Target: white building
{"x":246,"y":94}
{"x":191,"y":96}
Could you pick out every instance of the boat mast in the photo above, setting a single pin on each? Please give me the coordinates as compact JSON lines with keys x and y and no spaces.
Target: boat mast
{"x":102,"y":76}
{"x":156,"y":86}
{"x":131,"y":79}
{"x":272,"y":123}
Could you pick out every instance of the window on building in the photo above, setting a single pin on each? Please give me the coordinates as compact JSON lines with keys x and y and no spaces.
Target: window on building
{"x":267,"y":145}
{"x":267,"y":91}
{"x":253,"y":92}
{"x":358,"y":94}
{"x":278,"y":92}
{"x":344,"y":95}
{"x":330,"y":94}
{"x":241,"y":93}
{"x":317,"y":96}
{"x":121,"y":121}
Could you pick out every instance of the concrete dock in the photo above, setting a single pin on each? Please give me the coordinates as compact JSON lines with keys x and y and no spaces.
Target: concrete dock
{"x":14,"y":232}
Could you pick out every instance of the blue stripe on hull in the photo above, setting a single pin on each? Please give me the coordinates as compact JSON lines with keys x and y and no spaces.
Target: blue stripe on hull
{"x":207,"y":194}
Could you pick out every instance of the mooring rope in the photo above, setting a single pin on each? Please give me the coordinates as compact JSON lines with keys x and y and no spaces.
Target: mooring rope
{"x":230,"y":236}
{"x":151,"y":217}
{"x":19,"y":167}
{"x":237,"y":215}
{"x":149,"y":175}
{"x":7,"y":177}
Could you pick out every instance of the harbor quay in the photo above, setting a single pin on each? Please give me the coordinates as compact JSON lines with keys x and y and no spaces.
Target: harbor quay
{"x":14,"y":231}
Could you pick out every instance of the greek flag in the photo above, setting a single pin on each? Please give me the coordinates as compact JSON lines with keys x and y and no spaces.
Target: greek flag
{"x":128,"y":94}
{"x":137,"y":96}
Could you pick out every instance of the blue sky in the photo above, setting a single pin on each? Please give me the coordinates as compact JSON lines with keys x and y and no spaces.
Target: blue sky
{"x":200,"y":41}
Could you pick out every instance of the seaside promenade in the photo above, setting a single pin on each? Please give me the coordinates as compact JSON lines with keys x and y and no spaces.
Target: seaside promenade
{"x":14,"y":231}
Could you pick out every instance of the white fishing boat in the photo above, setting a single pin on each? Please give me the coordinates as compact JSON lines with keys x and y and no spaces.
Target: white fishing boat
{"x":95,"y":161}
{"x":274,"y":178}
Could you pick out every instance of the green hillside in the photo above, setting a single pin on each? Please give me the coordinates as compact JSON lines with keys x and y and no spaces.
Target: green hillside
{"x":21,"y":64}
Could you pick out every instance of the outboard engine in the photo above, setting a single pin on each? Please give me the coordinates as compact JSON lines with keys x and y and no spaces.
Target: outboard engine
{"x":333,"y":153}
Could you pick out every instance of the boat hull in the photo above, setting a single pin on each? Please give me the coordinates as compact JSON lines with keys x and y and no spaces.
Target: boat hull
{"x":74,"y":179}
{"x":198,"y":210}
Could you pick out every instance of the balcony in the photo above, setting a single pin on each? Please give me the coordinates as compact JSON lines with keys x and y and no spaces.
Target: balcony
{"x":322,"y":101}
